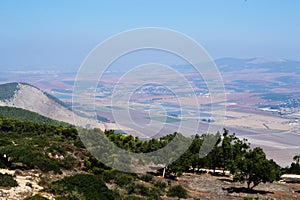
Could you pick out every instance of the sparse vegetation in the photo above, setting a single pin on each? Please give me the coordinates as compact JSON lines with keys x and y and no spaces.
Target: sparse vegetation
{"x":36,"y":197}
{"x":177,"y":191}
{"x":80,"y":186}
{"x":123,"y":179}
{"x":250,"y":198}
{"x":7,"y":180}
{"x":26,"y":115}
{"x":161,"y":185}
{"x":50,"y":148}
{"x":146,"y":177}
{"x":35,"y":145}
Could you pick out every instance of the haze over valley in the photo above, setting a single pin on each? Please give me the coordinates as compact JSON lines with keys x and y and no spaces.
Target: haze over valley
{"x":150,"y":100}
{"x":262,"y":101}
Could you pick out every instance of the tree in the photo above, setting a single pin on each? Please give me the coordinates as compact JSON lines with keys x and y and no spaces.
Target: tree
{"x":231,"y":149}
{"x":295,"y":166}
{"x":254,"y":168}
{"x":296,"y":158}
{"x":7,"y":180}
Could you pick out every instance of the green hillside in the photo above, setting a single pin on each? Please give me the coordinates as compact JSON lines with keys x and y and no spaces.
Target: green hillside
{"x":54,"y":150}
{"x":68,"y":171}
{"x":26,"y":115}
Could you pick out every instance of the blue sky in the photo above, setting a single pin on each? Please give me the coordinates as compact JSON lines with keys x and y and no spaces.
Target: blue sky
{"x":60,"y":34}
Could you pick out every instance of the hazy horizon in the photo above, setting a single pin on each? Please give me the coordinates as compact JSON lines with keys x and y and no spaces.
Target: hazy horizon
{"x":45,"y":35}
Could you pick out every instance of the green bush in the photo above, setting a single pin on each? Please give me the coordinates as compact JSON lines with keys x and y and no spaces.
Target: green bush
{"x":57,"y":149}
{"x":117,"y":194}
{"x":32,"y":157}
{"x":155,"y":193}
{"x":146,"y":177}
{"x":142,"y":189}
{"x":152,"y":193}
{"x":7,"y":180}
{"x":44,"y":180}
{"x":177,"y":191}
{"x":85,"y":185}
{"x":108,"y":175}
{"x":78,"y":143}
{"x":29,"y":184}
{"x":36,"y":197}
{"x":132,"y":197}
{"x":123,"y":179}
{"x":71,"y":196}
{"x":130,"y":188}
{"x":160,"y":185}
{"x":68,"y":162}
{"x":250,"y":198}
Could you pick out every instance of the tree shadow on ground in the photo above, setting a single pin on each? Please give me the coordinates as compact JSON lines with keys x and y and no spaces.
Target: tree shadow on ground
{"x":226,"y":180}
{"x":246,"y":190}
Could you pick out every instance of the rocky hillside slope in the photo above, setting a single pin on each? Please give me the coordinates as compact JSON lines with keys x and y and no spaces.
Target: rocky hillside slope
{"x":26,"y":96}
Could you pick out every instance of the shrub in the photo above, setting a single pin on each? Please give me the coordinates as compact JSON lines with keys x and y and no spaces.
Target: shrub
{"x":31,"y":157}
{"x":116,"y":194}
{"x":85,"y":185}
{"x":130,"y":188}
{"x":71,"y":196}
{"x":250,"y":198}
{"x":7,"y":180}
{"x":68,"y":162}
{"x":29,"y":184}
{"x":57,"y":148}
{"x":44,"y":180}
{"x":155,"y":193}
{"x":36,"y":197}
{"x":159,"y":189}
{"x":132,"y":197}
{"x":108,"y":175}
{"x":124,"y":179}
{"x":146,"y":177}
{"x":160,"y":185}
{"x":177,"y":191}
{"x":78,"y":143}
{"x":142,"y":189}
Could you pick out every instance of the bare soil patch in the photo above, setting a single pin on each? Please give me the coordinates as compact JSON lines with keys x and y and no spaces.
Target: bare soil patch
{"x":206,"y":186}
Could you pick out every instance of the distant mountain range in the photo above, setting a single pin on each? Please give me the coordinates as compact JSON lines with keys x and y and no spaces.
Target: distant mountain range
{"x":270,"y":65}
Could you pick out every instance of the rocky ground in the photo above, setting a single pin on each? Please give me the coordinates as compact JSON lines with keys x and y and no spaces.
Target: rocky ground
{"x":199,"y":186}
{"x":27,"y":184}
{"x":206,"y":186}
{"x":30,"y":182}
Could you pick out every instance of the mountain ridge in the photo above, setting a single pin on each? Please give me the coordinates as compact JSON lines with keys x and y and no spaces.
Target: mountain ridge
{"x":31,"y":98}
{"x":230,"y":64}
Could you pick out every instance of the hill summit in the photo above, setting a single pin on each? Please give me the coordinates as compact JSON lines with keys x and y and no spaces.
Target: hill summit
{"x":29,"y":97}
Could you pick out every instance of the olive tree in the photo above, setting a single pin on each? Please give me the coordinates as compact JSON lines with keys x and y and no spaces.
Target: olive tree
{"x":254,"y":168}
